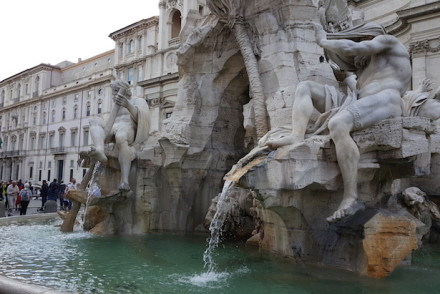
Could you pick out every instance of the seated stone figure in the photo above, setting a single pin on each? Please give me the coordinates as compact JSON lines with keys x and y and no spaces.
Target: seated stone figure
{"x":127,"y":126}
{"x":382,"y":66}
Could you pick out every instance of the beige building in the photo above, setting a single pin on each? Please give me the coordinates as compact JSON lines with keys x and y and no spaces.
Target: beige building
{"x":45,"y":110}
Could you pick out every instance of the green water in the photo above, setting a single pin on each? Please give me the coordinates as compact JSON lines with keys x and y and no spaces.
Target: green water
{"x":158,"y":263}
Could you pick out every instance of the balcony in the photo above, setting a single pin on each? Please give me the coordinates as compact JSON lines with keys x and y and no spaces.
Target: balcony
{"x":58,"y":151}
{"x":15,"y":153}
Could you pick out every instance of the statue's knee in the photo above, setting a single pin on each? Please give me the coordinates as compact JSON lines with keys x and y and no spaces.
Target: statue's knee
{"x":303,"y":88}
{"x":337,"y":127}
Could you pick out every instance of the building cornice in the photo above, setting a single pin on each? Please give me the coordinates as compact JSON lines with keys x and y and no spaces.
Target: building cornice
{"x":135,"y":27}
{"x":159,"y":80}
{"x":88,"y":60}
{"x":29,"y":71}
{"x":407,"y":15}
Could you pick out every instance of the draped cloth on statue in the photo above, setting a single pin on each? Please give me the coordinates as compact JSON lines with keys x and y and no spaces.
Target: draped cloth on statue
{"x":143,"y":121}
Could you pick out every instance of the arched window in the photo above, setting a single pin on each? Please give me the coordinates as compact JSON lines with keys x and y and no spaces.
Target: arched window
{"x":37,"y":84}
{"x":99,"y":106}
{"x":88,"y":109}
{"x":140,"y":43}
{"x":75,"y":111}
{"x":176,"y":24}
{"x":130,"y":46}
{"x":52,"y":117}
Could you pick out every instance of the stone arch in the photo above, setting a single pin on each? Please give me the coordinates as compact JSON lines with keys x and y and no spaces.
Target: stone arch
{"x":175,"y":23}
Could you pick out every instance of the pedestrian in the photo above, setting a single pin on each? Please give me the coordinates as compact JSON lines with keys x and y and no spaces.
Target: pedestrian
{"x":4,"y":189}
{"x":12,"y":192}
{"x":61,"y":191}
{"x":43,"y":192}
{"x":26,"y":195}
{"x":71,"y":186}
{"x":52,"y":193}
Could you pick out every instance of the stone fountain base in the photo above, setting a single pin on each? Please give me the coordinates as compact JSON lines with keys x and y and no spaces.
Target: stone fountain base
{"x":297,"y":188}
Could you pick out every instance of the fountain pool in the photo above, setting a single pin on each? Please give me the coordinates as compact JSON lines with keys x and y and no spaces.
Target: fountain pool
{"x":159,"y":263}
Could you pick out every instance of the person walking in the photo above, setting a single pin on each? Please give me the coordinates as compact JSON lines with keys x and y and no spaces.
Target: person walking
{"x":26,"y":195}
{"x":12,"y":192}
{"x":43,"y":192}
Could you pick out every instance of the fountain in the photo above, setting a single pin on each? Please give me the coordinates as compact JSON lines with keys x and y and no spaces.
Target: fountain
{"x":241,"y":70}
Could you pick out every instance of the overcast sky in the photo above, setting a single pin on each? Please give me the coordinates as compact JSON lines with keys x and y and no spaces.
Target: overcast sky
{"x":51,"y":31}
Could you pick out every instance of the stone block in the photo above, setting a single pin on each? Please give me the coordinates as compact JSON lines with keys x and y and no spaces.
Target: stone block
{"x":385,"y":135}
{"x":413,"y":143}
{"x":50,"y":206}
{"x":2,"y":209}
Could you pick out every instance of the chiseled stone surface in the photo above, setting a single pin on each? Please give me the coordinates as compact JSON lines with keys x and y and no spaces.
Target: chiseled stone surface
{"x":388,"y":240}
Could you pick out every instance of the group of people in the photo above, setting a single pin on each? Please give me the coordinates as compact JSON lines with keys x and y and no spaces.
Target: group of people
{"x":56,"y":191}
{"x":18,"y":195}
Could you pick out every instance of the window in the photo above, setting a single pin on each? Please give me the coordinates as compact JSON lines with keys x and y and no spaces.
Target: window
{"x":49,"y":164}
{"x":48,"y":175}
{"x":63,"y":114}
{"x":61,"y":138}
{"x":18,"y":90}
{"x":176,"y":24}
{"x":54,"y":102}
{"x":130,"y":76}
{"x":34,"y":119}
{"x":39,"y":175}
{"x":71,"y":174}
{"x":140,"y":73}
{"x":88,"y":109}
{"x":86,"y":138}
{"x":99,"y":91}
{"x":51,"y":136}
{"x":31,"y":171}
{"x":52,"y":118}
{"x":37,"y":84}
{"x":89,"y":94}
{"x":42,"y":140}
{"x":121,"y":50}
{"x":41,"y":164}
{"x":130,"y":46}
{"x":26,"y":87}
{"x":43,"y":119}
{"x":2,"y":97}
{"x":75,"y":111}
{"x":32,"y":143}
{"x":76,"y":97}
{"x":72,"y":164}
{"x":140,"y":43}
{"x":64,"y":100}
{"x":99,"y":107}
{"x":73,"y":138}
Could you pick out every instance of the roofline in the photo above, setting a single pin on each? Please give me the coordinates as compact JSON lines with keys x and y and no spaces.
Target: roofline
{"x":31,"y":69}
{"x":109,"y":52}
{"x":147,"y":22}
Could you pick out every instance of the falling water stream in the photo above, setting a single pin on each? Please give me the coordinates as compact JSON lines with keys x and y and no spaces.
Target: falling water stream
{"x":223,"y":207}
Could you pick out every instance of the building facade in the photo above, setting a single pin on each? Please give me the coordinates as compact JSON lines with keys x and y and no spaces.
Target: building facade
{"x":45,"y":110}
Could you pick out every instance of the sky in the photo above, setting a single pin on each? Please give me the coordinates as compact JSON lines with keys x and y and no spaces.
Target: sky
{"x":51,"y":31}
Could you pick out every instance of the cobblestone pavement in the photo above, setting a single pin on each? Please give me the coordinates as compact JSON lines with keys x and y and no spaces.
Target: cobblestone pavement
{"x":33,"y":207}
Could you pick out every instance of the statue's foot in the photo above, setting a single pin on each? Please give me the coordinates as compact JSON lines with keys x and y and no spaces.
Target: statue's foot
{"x":99,"y":155}
{"x":284,"y":141}
{"x":124,"y":187}
{"x":348,"y":207}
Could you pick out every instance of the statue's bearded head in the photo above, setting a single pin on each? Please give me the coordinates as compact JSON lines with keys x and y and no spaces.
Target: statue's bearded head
{"x":413,"y":196}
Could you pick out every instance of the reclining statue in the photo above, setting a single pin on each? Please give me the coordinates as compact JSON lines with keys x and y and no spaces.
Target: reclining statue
{"x":127,"y":126}
{"x":382,"y":67}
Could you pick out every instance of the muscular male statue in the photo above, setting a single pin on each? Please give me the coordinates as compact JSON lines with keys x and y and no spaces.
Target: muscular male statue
{"x":127,"y":125}
{"x":382,"y":66}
